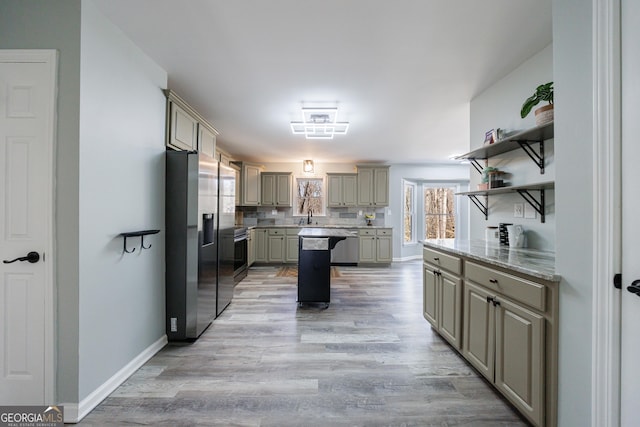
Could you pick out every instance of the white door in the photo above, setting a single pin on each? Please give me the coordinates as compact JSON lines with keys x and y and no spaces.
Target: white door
{"x":27,"y":106}
{"x":630,"y":338}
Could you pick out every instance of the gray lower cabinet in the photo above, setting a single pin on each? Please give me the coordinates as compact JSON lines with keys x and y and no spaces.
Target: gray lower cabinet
{"x":277,"y":245}
{"x":291,"y":254}
{"x":262,"y":245}
{"x":505,"y":342}
{"x":509,"y":327}
{"x":376,"y":245}
{"x":251,"y":247}
{"x":442,"y":300}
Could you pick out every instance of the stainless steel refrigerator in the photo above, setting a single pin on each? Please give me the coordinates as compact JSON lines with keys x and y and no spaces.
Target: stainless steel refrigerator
{"x":200,"y":215}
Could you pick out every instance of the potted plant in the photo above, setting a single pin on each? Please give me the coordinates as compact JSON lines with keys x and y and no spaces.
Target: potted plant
{"x":485,"y":177}
{"x":543,"y":114}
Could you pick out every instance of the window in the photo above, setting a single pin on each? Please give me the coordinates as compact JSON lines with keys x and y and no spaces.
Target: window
{"x":439,"y":213}
{"x":309,"y":196}
{"x":409,"y":209}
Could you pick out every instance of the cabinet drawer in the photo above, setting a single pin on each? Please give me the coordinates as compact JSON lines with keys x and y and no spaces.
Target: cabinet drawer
{"x":522,"y":290}
{"x":292,"y":231}
{"x":383,"y":232}
{"x":367,"y":232}
{"x":442,"y":260}
{"x":277,"y":231}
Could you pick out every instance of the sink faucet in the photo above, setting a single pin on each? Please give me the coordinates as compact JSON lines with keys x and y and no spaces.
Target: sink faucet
{"x":309,"y":216}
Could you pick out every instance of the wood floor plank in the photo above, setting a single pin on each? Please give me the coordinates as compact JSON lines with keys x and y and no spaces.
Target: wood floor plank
{"x":369,"y":359}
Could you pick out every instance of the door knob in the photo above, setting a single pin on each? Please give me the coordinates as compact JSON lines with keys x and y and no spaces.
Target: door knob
{"x":635,"y":287}
{"x":32,"y":257}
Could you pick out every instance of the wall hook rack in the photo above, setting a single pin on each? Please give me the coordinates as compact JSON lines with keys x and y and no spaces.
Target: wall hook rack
{"x":140,"y":234}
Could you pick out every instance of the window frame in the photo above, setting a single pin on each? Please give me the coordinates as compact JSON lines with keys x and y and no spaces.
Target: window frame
{"x":323,"y":197}
{"x":413,"y":211}
{"x":454,"y":187}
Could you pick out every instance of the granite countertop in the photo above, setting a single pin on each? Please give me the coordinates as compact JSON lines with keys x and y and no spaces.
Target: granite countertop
{"x":534,"y":262}
{"x":325,"y":232}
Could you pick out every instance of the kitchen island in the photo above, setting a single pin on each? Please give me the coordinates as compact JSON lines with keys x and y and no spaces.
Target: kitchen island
{"x":314,"y":263}
{"x":498,"y":307}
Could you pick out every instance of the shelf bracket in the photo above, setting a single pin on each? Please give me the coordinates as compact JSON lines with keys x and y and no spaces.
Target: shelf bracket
{"x":484,"y":208}
{"x":476,"y":165}
{"x":538,"y":159}
{"x":537,"y":205}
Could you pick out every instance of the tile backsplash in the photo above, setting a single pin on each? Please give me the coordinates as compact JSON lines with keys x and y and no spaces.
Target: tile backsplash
{"x":252,"y":216}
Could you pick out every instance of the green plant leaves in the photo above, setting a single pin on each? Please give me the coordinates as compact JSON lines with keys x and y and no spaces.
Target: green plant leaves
{"x":543,"y":93}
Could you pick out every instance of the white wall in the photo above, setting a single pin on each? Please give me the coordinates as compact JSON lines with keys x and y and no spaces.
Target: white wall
{"x":499,"y":107}
{"x":572,"y":59}
{"x":122,"y":122}
{"x":36,"y":24}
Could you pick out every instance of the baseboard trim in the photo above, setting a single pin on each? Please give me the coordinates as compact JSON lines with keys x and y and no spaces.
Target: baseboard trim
{"x":408,"y":258}
{"x":74,"y":412}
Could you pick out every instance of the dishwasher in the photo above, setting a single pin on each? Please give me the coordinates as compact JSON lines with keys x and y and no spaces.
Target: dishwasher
{"x":347,"y":251}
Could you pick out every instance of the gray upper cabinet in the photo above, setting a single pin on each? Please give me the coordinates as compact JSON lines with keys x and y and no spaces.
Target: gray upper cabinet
{"x":373,"y":185}
{"x":183,"y":133}
{"x":250,"y":184}
{"x":276,"y":189}
{"x":343,"y":190}
{"x":206,"y":140}
{"x":186,"y":129}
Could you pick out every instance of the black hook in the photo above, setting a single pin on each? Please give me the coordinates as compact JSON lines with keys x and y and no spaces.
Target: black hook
{"x":142,"y":243}
{"x":125,"y":246}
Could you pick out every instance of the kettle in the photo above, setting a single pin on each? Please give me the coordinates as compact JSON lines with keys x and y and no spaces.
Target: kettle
{"x":517,"y":236}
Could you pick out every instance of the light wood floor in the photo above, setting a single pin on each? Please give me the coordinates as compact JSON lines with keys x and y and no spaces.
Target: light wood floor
{"x":370,"y":359}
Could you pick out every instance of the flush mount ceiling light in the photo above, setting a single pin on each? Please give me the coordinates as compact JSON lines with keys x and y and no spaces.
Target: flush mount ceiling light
{"x":319,"y":123}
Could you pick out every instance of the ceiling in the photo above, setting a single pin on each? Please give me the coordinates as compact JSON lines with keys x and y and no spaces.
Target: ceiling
{"x":401,"y":72}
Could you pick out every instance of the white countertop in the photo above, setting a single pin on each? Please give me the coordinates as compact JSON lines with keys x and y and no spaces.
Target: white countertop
{"x":533,"y":262}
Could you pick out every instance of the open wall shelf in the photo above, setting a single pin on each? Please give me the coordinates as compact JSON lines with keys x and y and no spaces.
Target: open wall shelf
{"x":524,"y":191}
{"x":524,"y":139}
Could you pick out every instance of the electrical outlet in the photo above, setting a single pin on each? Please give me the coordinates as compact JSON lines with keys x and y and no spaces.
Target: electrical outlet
{"x":518,"y":210}
{"x":529,"y":212}
{"x":174,"y":324}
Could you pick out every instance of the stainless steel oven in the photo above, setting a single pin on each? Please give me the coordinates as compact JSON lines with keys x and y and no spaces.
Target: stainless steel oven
{"x":240,"y":257}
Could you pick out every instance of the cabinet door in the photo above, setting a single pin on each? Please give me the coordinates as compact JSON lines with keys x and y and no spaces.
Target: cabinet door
{"x":268,"y":190}
{"x":384,"y":249}
{"x":251,"y":185}
{"x":365,"y":187}
{"x":283,"y":190}
{"x":334,"y":196}
{"x":349,"y":190}
{"x":478,"y":330}
{"x":184,"y":129}
{"x":261,"y":243}
{"x":206,"y":141}
{"x":292,"y":249}
{"x":520,"y":354}
{"x":450,"y":302}
{"x":430,"y":294}
{"x":367,"y":249}
{"x":276,"y":249}
{"x":251,"y":248}
{"x":381,"y":187}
